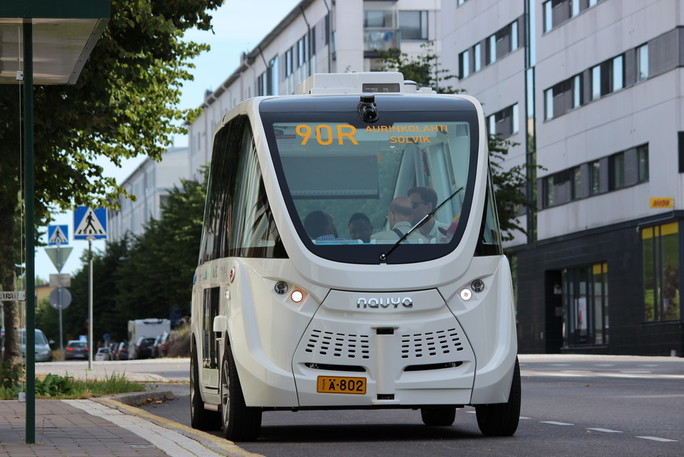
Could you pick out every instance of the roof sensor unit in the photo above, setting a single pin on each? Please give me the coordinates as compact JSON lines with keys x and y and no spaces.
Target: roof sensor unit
{"x":368,"y":110}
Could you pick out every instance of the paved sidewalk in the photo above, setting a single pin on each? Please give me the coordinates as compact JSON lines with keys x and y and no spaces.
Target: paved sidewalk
{"x":103,"y":427}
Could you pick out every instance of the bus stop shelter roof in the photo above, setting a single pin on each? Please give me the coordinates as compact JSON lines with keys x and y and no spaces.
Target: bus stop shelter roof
{"x":64,"y":34}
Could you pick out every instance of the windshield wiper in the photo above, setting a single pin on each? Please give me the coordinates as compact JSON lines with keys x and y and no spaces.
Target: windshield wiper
{"x":419,"y":224}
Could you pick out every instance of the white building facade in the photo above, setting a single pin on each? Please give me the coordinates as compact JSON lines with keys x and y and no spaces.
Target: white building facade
{"x":591,"y":90}
{"x":151,"y":183}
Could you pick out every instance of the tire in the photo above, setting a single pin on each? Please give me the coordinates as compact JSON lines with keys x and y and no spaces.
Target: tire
{"x":240,"y":423}
{"x":502,"y":419}
{"x":200,"y":418}
{"x":439,"y":416}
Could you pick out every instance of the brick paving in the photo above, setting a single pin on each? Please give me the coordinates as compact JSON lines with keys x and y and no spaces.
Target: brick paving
{"x":64,"y":430}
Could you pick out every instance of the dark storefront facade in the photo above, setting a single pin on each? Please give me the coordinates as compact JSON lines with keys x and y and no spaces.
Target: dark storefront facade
{"x":614,"y":290}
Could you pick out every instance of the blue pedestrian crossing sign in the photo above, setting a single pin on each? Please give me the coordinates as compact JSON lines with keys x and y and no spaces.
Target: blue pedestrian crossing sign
{"x":58,"y":235}
{"x":90,"y":224}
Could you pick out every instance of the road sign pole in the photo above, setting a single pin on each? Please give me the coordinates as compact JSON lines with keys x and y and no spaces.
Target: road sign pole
{"x":59,"y":272}
{"x":90,"y":304}
{"x":29,"y":196}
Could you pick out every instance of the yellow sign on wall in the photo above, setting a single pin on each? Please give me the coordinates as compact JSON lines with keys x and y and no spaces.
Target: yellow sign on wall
{"x":662,"y":202}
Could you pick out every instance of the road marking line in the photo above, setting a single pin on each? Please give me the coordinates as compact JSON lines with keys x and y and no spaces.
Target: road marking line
{"x":555,"y":423}
{"x":603,"y":430}
{"x":655,"y":438}
{"x":584,"y":374}
{"x":525,"y":418}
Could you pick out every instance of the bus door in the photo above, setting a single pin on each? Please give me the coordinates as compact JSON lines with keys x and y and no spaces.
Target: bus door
{"x":209,"y":366}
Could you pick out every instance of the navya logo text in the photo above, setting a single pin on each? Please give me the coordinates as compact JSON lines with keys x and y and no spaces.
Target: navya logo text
{"x":384,"y":302}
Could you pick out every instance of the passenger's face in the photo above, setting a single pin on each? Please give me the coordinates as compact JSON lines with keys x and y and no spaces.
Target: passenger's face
{"x":360,"y":230}
{"x":420,"y":208}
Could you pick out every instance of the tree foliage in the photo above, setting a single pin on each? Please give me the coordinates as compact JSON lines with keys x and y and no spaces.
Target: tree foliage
{"x":508,"y":182}
{"x":124,"y":104}
{"x":149,"y":275}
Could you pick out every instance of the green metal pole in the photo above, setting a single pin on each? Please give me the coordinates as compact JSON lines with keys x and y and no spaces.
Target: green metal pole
{"x":29,"y":195}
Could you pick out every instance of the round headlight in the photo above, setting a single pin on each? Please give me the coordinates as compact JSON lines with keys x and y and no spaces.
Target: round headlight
{"x":297,"y":296}
{"x":466,"y":294}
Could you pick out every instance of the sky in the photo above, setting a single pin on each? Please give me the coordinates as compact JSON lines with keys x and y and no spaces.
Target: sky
{"x":239,"y":25}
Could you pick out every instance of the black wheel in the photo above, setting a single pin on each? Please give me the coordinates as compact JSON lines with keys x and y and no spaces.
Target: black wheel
{"x":200,"y":418}
{"x":502,"y":419}
{"x":240,"y":423}
{"x":438,"y":415}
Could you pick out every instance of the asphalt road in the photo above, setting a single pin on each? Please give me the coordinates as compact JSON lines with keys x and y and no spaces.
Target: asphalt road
{"x":572,"y":406}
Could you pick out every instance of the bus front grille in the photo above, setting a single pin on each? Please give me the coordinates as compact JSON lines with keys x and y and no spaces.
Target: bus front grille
{"x":430,"y":344}
{"x":337,"y":344}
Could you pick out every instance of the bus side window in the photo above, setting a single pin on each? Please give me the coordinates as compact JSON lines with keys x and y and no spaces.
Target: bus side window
{"x":490,"y":236}
{"x":217,"y":230}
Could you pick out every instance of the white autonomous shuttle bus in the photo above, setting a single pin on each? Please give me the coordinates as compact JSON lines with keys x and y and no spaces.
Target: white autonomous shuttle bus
{"x":318,"y":289}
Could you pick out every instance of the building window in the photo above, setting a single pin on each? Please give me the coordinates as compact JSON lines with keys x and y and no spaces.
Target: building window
{"x":378,"y":19}
{"x":642,"y":62}
{"x":594,"y":177}
{"x":515,"y":119}
{"x":616,"y":168}
{"x":618,"y":73}
{"x":596,"y":82}
{"x":504,"y":123}
{"x":642,"y":163}
{"x":491,"y":49}
{"x":585,"y":299}
{"x":574,"y":7}
{"x":558,"y":188}
{"x":477,"y":54}
{"x":548,"y":16}
{"x":464,"y":61}
{"x":557,"y":12}
{"x":413,"y":25}
{"x":576,"y":190}
{"x":515,"y":42}
{"x":660,"y":247}
{"x":548,"y":104}
{"x":577,"y":91}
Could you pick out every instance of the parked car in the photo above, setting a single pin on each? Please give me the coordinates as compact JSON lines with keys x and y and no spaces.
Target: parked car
{"x":161,"y":345}
{"x":122,"y":351}
{"x":42,"y":346}
{"x":76,"y":349}
{"x":103,"y":354}
{"x":143,"y":348}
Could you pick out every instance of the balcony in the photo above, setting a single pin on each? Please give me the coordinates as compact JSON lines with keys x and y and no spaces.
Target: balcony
{"x":380,"y":39}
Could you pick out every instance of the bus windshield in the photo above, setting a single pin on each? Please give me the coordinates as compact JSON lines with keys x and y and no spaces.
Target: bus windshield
{"x":350,"y":183}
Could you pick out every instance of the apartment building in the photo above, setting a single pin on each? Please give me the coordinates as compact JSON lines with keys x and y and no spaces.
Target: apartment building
{"x":151,"y":183}
{"x":590,"y":94}
{"x":317,"y":36}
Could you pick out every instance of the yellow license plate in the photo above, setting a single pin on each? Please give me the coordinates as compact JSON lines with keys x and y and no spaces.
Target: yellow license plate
{"x":341,"y":385}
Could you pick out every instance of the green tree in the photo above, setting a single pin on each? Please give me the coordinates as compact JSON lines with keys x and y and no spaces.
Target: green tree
{"x":157,"y":275}
{"x":123,"y":105}
{"x":508,"y":182}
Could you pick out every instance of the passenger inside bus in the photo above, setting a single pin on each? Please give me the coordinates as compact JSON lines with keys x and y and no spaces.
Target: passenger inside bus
{"x":398,"y":219}
{"x":360,"y":227}
{"x":423,"y":201}
{"x":320,"y":226}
